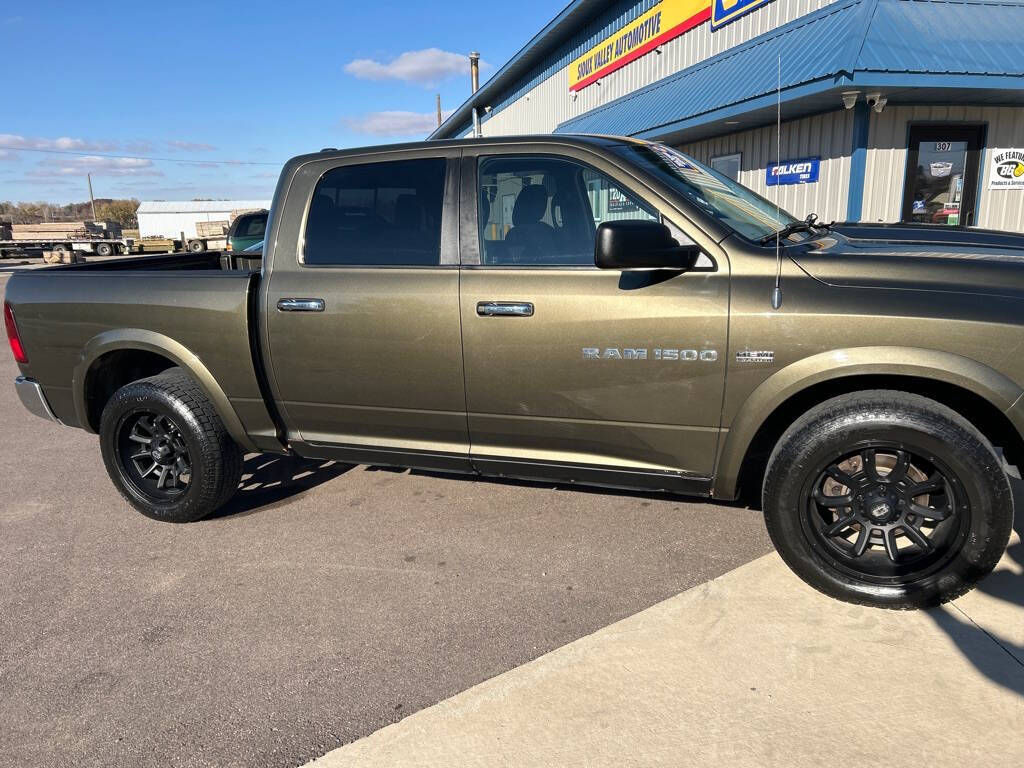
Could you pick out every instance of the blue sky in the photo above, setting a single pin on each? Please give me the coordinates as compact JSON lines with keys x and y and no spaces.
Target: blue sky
{"x":203,"y":81}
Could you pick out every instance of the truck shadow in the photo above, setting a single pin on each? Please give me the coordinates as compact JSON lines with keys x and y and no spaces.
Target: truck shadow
{"x":1004,"y":665}
{"x":269,"y":480}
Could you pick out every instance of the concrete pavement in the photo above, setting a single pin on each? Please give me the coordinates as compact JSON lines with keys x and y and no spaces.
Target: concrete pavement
{"x":750,"y":669}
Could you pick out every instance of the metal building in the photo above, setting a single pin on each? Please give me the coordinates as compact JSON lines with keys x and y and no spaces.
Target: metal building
{"x":169,"y":218}
{"x":892,"y":110}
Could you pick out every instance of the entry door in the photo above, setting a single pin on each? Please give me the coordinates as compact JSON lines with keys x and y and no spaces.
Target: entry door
{"x":567,"y":364}
{"x":942,"y":175}
{"x":364,"y":326}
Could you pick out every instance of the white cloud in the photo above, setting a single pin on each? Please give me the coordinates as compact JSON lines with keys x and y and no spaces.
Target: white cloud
{"x":191,"y":146}
{"x":56,"y":167}
{"x":8,"y":156}
{"x":395,"y":123}
{"x":425,"y":67}
{"x":13,"y":141}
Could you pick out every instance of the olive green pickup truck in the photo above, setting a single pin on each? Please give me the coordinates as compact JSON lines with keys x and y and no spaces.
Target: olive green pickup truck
{"x":578,"y":309}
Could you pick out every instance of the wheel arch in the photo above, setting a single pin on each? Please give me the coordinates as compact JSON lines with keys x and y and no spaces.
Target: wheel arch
{"x":114,"y":358}
{"x":973,"y":389}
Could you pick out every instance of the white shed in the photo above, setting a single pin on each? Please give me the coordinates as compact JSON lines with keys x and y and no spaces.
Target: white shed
{"x":169,"y":218}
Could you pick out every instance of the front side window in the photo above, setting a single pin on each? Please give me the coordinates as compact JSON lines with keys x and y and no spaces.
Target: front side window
{"x":720,"y":197}
{"x":544,"y":211}
{"x":377,"y":214}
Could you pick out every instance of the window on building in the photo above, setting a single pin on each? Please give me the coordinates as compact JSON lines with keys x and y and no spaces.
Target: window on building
{"x":545,"y":211}
{"x":942,"y":175}
{"x":378,"y":214}
{"x":728,"y":165}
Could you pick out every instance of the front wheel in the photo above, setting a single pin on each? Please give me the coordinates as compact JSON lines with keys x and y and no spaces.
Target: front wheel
{"x":166,"y":449}
{"x":104,"y":249}
{"x":887,"y":499}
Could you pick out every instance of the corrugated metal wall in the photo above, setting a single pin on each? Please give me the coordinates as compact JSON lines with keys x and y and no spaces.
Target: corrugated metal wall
{"x":542,"y":108}
{"x":828,"y":136}
{"x":887,"y":161}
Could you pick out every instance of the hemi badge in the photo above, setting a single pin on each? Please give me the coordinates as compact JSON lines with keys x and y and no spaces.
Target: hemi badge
{"x":755,"y":356}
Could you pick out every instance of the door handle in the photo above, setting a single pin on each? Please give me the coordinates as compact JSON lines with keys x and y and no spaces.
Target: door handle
{"x":504,"y":309}
{"x":301,"y":305}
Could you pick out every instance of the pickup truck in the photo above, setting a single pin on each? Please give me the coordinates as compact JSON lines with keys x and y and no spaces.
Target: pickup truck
{"x":577,"y":309}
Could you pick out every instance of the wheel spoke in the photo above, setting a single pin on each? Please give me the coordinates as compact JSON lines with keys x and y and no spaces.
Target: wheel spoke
{"x":934,"y":484}
{"x":840,"y":525}
{"x":889,"y":539}
{"x":137,"y":456}
{"x":140,"y":439}
{"x":832,"y":501}
{"x":917,"y":537}
{"x":863,"y":539}
{"x":840,"y":477}
{"x":929,"y":513}
{"x":164,"y":471}
{"x":870,"y":458}
{"x":899,"y":469}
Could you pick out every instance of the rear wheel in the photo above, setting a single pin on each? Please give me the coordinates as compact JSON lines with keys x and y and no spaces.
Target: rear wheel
{"x":196,"y":246}
{"x":167,"y":450}
{"x":104,"y":249}
{"x":888,"y":499}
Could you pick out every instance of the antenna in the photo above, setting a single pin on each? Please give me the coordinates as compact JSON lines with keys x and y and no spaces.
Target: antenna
{"x":777,"y":290}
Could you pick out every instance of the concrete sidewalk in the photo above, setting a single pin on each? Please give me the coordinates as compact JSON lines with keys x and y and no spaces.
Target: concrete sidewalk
{"x":751,"y":669}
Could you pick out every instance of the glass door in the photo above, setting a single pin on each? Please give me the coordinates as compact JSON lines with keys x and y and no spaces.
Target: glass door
{"x":942,"y":175}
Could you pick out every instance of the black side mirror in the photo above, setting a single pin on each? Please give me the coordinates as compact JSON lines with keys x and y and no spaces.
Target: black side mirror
{"x":641,"y":244}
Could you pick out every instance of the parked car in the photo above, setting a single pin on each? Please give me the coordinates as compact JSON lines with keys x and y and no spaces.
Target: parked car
{"x":577,"y":309}
{"x":246,"y":230}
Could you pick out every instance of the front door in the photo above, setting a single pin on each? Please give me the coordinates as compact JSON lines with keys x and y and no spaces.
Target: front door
{"x":363,"y":319}
{"x":568,"y":365}
{"x":941,"y":184}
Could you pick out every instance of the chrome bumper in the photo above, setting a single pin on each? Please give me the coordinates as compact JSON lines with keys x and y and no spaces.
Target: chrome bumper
{"x":32,"y":397}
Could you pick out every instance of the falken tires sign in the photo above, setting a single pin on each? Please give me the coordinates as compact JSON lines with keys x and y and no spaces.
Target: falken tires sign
{"x":1007,"y":171}
{"x":803,"y":171}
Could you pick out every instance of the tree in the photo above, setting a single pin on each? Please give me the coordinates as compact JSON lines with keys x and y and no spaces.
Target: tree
{"x":121,"y":211}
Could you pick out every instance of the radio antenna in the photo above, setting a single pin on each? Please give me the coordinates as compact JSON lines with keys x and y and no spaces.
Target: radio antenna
{"x":777,"y":290}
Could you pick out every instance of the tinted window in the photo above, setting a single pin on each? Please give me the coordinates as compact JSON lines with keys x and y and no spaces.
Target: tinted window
{"x":254,"y":226}
{"x":545,"y":211}
{"x":377,"y":214}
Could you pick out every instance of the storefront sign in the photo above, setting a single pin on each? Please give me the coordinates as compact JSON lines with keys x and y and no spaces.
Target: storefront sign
{"x":793,"y":172}
{"x":726,"y":11}
{"x":665,"y":21}
{"x":1007,"y":171}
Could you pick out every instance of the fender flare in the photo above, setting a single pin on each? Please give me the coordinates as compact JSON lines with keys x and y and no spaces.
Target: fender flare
{"x":165,"y":346}
{"x":964,"y":372}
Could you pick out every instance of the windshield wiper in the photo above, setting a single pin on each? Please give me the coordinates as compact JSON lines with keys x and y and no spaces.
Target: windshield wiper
{"x":810,"y":224}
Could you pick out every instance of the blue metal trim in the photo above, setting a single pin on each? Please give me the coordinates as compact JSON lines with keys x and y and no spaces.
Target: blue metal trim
{"x":858,"y":160}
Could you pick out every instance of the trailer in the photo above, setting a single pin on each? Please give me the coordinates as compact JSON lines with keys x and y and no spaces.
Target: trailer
{"x":195,"y":225}
{"x":82,"y":237}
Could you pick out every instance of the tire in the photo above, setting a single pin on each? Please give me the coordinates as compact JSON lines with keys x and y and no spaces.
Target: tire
{"x":196,"y":246}
{"x":104,"y":249}
{"x":887,"y":499}
{"x":171,"y":415}
{"x":60,"y":248}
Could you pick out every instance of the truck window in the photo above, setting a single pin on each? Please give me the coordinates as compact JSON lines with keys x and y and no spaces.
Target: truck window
{"x":377,"y":214}
{"x":545,"y":211}
{"x":253,"y":227}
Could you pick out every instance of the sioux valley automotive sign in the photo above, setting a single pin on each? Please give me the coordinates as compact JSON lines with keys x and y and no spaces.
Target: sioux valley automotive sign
{"x":1007,"y":170}
{"x":665,"y":21}
{"x":793,"y":172}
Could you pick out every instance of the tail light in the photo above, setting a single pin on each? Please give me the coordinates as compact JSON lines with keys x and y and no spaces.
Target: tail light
{"x":12,"y":335}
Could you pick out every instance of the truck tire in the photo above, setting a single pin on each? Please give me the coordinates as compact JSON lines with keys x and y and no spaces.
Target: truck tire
{"x":887,"y":499}
{"x":104,"y":249}
{"x":196,"y":246}
{"x":167,"y":450}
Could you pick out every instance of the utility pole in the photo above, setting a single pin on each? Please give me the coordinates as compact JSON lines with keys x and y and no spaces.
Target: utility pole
{"x":439,"y":110}
{"x":91,"y":199}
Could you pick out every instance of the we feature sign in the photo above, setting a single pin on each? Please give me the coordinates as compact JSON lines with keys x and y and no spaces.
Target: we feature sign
{"x":793,"y":172}
{"x":726,"y":11}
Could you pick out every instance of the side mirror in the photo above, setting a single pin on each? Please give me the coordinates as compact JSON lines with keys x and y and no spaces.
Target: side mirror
{"x":641,"y":244}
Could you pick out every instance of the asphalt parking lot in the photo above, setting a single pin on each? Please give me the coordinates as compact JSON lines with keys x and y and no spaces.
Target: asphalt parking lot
{"x":324,"y":603}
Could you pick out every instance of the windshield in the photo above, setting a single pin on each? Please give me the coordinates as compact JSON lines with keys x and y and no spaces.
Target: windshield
{"x":729,"y":202}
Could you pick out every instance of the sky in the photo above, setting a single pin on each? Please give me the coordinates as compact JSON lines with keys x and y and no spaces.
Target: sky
{"x":155,"y":97}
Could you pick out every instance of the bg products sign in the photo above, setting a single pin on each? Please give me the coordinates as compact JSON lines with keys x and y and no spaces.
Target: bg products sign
{"x":1007,"y":170}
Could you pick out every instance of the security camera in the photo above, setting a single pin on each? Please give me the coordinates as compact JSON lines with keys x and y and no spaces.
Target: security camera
{"x":850,"y":98}
{"x":876,"y":101}
{"x":488,"y":109}
{"x":880,"y":104}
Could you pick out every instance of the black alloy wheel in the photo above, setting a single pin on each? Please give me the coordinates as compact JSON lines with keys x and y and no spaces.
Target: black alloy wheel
{"x":153,"y":456}
{"x":886,"y":513}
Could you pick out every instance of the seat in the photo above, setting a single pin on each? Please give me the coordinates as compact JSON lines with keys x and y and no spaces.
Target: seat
{"x":530,"y":239}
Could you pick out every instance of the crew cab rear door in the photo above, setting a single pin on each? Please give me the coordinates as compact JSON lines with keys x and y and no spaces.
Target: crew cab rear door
{"x":612,"y":376}
{"x":362,"y":311}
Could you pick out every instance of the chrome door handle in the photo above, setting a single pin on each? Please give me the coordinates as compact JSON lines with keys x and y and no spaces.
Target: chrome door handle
{"x":301,"y":305}
{"x":504,"y":309}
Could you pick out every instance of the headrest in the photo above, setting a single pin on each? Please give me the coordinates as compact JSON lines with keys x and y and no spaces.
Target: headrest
{"x":531,"y":205}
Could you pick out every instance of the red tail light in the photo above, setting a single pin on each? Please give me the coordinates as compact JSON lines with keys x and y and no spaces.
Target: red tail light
{"x":12,"y":334}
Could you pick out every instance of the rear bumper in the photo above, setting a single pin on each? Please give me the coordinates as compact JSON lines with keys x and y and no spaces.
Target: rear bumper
{"x":32,"y":397}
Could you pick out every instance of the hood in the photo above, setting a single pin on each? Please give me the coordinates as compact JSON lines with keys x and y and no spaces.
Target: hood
{"x":916,"y":258}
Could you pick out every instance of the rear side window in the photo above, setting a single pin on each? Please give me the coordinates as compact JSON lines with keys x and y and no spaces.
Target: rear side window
{"x":378,"y":214}
{"x":253,"y":227}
